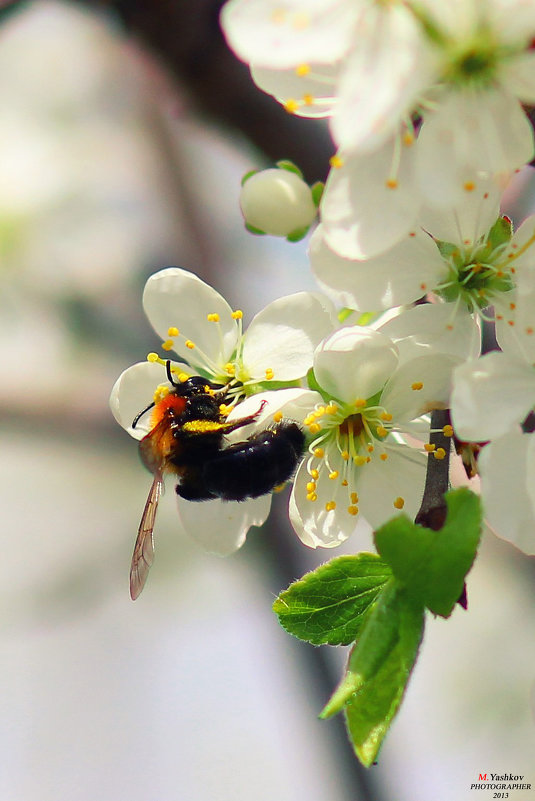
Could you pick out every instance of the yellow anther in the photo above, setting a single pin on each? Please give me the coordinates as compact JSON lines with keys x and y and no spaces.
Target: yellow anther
{"x":439,"y":454}
{"x":173,"y":331}
{"x":345,"y":456}
{"x":319,"y":453}
{"x":277,"y":417}
{"x":370,"y":449}
{"x":334,"y":475}
{"x":278,"y":16}
{"x":359,"y":460}
{"x":469,"y":186}
{"x":448,"y":431}
{"x":399,"y":503}
{"x":315,"y":474}
{"x":360,"y":402}
{"x":429,"y":447}
{"x":224,"y":409}
{"x":344,"y":482}
{"x":320,"y":411}
{"x":153,"y":357}
{"x":213,"y":318}
{"x":291,"y":105}
{"x":386,"y":416}
{"x":332,"y":408}
{"x":368,"y":459}
{"x":311,"y":486}
{"x":230,"y":368}
{"x":391,"y":183}
{"x":336,"y":162}
{"x":189,"y":344}
{"x":408,"y":138}
{"x":354,"y":497}
{"x":269,"y":373}
{"x":383,"y":457}
{"x":237,"y":315}
{"x":314,"y":428}
{"x":353,"y":510}
{"x":381,"y":431}
{"x":302,"y":69}
{"x":183,"y":377}
{"x":330,"y":506}
{"x":168,"y":344}
{"x":308,"y":100}
{"x":312,"y":496}
{"x":279,"y":487}
{"x":417,"y":385}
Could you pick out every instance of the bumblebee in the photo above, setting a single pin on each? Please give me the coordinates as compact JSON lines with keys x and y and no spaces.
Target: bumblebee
{"x":187,"y":439}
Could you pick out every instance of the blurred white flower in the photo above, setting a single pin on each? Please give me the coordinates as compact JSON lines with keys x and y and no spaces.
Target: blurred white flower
{"x":278,"y":202}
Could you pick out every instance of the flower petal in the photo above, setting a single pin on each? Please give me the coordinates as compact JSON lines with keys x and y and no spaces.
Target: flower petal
{"x":507,"y":469}
{"x":490,"y":396}
{"x":515,"y":321}
{"x":418,"y":386}
{"x":431,"y":327}
{"x":277,"y":35}
{"x":132,"y":392}
{"x":398,"y":276}
{"x":354,"y":362}
{"x":177,"y":298}
{"x":283,"y":336}
{"x":381,"y":483}
{"x":221,"y":526}
{"x":310,"y":94}
{"x":364,"y":210}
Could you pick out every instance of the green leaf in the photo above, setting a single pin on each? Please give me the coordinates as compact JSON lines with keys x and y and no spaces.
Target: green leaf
{"x":285,"y":164}
{"x":379,"y":668}
{"x":432,"y":565}
{"x":328,"y":605}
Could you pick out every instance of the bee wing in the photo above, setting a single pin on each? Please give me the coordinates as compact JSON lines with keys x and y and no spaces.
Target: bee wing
{"x":143,"y":555}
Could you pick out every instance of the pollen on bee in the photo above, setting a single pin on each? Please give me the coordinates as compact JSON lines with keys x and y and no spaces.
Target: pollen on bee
{"x":399,"y":503}
{"x":161,"y":391}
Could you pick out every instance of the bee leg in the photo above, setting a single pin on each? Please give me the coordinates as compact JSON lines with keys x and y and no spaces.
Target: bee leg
{"x":193,"y":489}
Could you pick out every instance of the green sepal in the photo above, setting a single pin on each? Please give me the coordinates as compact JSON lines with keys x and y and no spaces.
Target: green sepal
{"x":248,"y":175}
{"x":378,"y":670}
{"x":432,"y":565}
{"x":500,"y":233}
{"x":290,"y":167}
{"x":253,"y":230}
{"x":317,"y":192}
{"x":312,"y":382}
{"x":345,"y":313}
{"x":298,"y":234}
{"x":366,"y":318}
{"x":328,"y":605}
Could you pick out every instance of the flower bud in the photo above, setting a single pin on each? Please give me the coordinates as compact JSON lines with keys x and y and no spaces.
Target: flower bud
{"x":278,"y":202}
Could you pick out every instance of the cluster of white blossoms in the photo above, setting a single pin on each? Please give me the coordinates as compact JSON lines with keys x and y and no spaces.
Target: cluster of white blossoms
{"x":425,"y":100}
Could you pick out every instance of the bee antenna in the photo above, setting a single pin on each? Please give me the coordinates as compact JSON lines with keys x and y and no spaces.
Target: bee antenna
{"x":170,"y":374}
{"x":138,"y":417}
